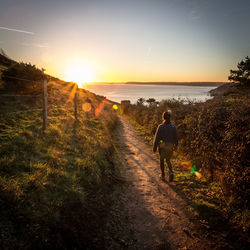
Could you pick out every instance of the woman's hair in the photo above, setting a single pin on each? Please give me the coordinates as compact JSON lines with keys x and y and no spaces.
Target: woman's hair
{"x":166,"y":116}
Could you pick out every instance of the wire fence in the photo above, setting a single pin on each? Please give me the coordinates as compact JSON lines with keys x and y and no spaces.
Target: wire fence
{"x":44,"y":98}
{"x":17,"y":78}
{"x":4,"y":95}
{"x":23,"y":111}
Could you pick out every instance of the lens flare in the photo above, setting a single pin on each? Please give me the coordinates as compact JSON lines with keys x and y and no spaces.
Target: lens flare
{"x":86,"y":107}
{"x":115,"y":107}
{"x":98,"y":109}
{"x":193,"y":168}
{"x":187,"y":165}
{"x":198,"y":175}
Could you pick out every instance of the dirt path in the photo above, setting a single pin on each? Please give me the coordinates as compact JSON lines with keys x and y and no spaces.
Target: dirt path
{"x":158,"y":216}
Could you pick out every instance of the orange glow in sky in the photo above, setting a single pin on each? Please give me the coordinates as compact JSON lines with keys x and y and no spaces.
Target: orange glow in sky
{"x":119,"y":41}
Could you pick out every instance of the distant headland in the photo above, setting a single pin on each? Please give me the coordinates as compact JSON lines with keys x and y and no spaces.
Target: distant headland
{"x":215,"y":84}
{"x":199,"y":84}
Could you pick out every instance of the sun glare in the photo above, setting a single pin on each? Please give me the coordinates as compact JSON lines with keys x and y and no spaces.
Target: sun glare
{"x":79,"y":73}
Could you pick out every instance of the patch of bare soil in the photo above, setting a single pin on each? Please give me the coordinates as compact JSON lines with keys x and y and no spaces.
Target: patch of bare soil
{"x":157,"y":215}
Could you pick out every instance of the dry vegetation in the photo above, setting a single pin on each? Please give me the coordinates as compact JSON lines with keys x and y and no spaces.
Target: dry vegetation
{"x":56,"y":186}
{"x":214,"y":136}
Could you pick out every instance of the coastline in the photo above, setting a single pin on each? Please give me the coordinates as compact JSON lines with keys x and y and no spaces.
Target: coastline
{"x":197,"y":84}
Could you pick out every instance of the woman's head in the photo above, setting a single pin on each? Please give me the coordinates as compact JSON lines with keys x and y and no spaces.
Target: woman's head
{"x":166,"y":116}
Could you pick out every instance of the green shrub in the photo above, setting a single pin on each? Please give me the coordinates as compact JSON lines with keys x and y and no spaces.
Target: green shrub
{"x":241,"y":76}
{"x":23,"y":78}
{"x":214,"y":133}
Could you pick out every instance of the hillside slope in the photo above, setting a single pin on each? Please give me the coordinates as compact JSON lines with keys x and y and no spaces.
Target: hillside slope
{"x":214,"y":138}
{"x":56,"y":186}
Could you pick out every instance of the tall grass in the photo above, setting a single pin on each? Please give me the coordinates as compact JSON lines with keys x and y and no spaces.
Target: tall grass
{"x":56,"y":186}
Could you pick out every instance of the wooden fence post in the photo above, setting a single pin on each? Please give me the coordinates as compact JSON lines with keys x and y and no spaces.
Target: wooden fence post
{"x":44,"y":104}
{"x":75,"y":101}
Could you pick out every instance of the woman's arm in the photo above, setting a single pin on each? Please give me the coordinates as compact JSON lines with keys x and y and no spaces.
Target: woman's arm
{"x":156,"y":139}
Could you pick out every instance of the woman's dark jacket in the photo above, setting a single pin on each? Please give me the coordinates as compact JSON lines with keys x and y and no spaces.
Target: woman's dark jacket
{"x":166,"y":133}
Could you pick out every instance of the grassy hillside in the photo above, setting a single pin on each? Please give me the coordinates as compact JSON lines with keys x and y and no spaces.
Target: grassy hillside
{"x":2,"y":68}
{"x":214,"y":138}
{"x":56,"y":186}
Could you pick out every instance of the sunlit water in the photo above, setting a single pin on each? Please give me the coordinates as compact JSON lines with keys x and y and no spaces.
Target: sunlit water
{"x":132,"y":92}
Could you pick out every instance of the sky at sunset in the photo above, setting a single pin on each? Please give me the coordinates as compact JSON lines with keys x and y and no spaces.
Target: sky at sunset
{"x":128,"y":40}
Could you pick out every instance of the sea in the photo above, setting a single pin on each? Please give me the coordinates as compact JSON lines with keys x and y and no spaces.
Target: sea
{"x":132,"y":92}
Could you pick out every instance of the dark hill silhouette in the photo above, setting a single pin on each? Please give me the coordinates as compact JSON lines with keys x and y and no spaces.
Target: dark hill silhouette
{"x":224,"y":89}
{"x":207,"y":84}
{"x":5,"y":60}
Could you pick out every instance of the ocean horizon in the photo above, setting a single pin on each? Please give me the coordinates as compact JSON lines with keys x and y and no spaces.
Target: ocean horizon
{"x":118,"y":92}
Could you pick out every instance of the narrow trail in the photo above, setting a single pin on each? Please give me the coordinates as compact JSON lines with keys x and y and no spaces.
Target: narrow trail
{"x":158,"y":216}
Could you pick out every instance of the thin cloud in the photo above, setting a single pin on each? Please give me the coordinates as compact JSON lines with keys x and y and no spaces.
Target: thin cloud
{"x":194,"y":15}
{"x":16,"y":30}
{"x":37,"y":45}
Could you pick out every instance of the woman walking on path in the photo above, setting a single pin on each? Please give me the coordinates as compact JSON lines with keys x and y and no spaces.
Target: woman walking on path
{"x":166,"y":140}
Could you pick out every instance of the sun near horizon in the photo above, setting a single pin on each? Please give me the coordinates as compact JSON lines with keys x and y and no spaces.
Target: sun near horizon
{"x":84,"y":72}
{"x":120,"y":41}
{"x":79,"y":72}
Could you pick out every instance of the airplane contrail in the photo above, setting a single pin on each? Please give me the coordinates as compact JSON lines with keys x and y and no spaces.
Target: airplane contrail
{"x":21,"y":31}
